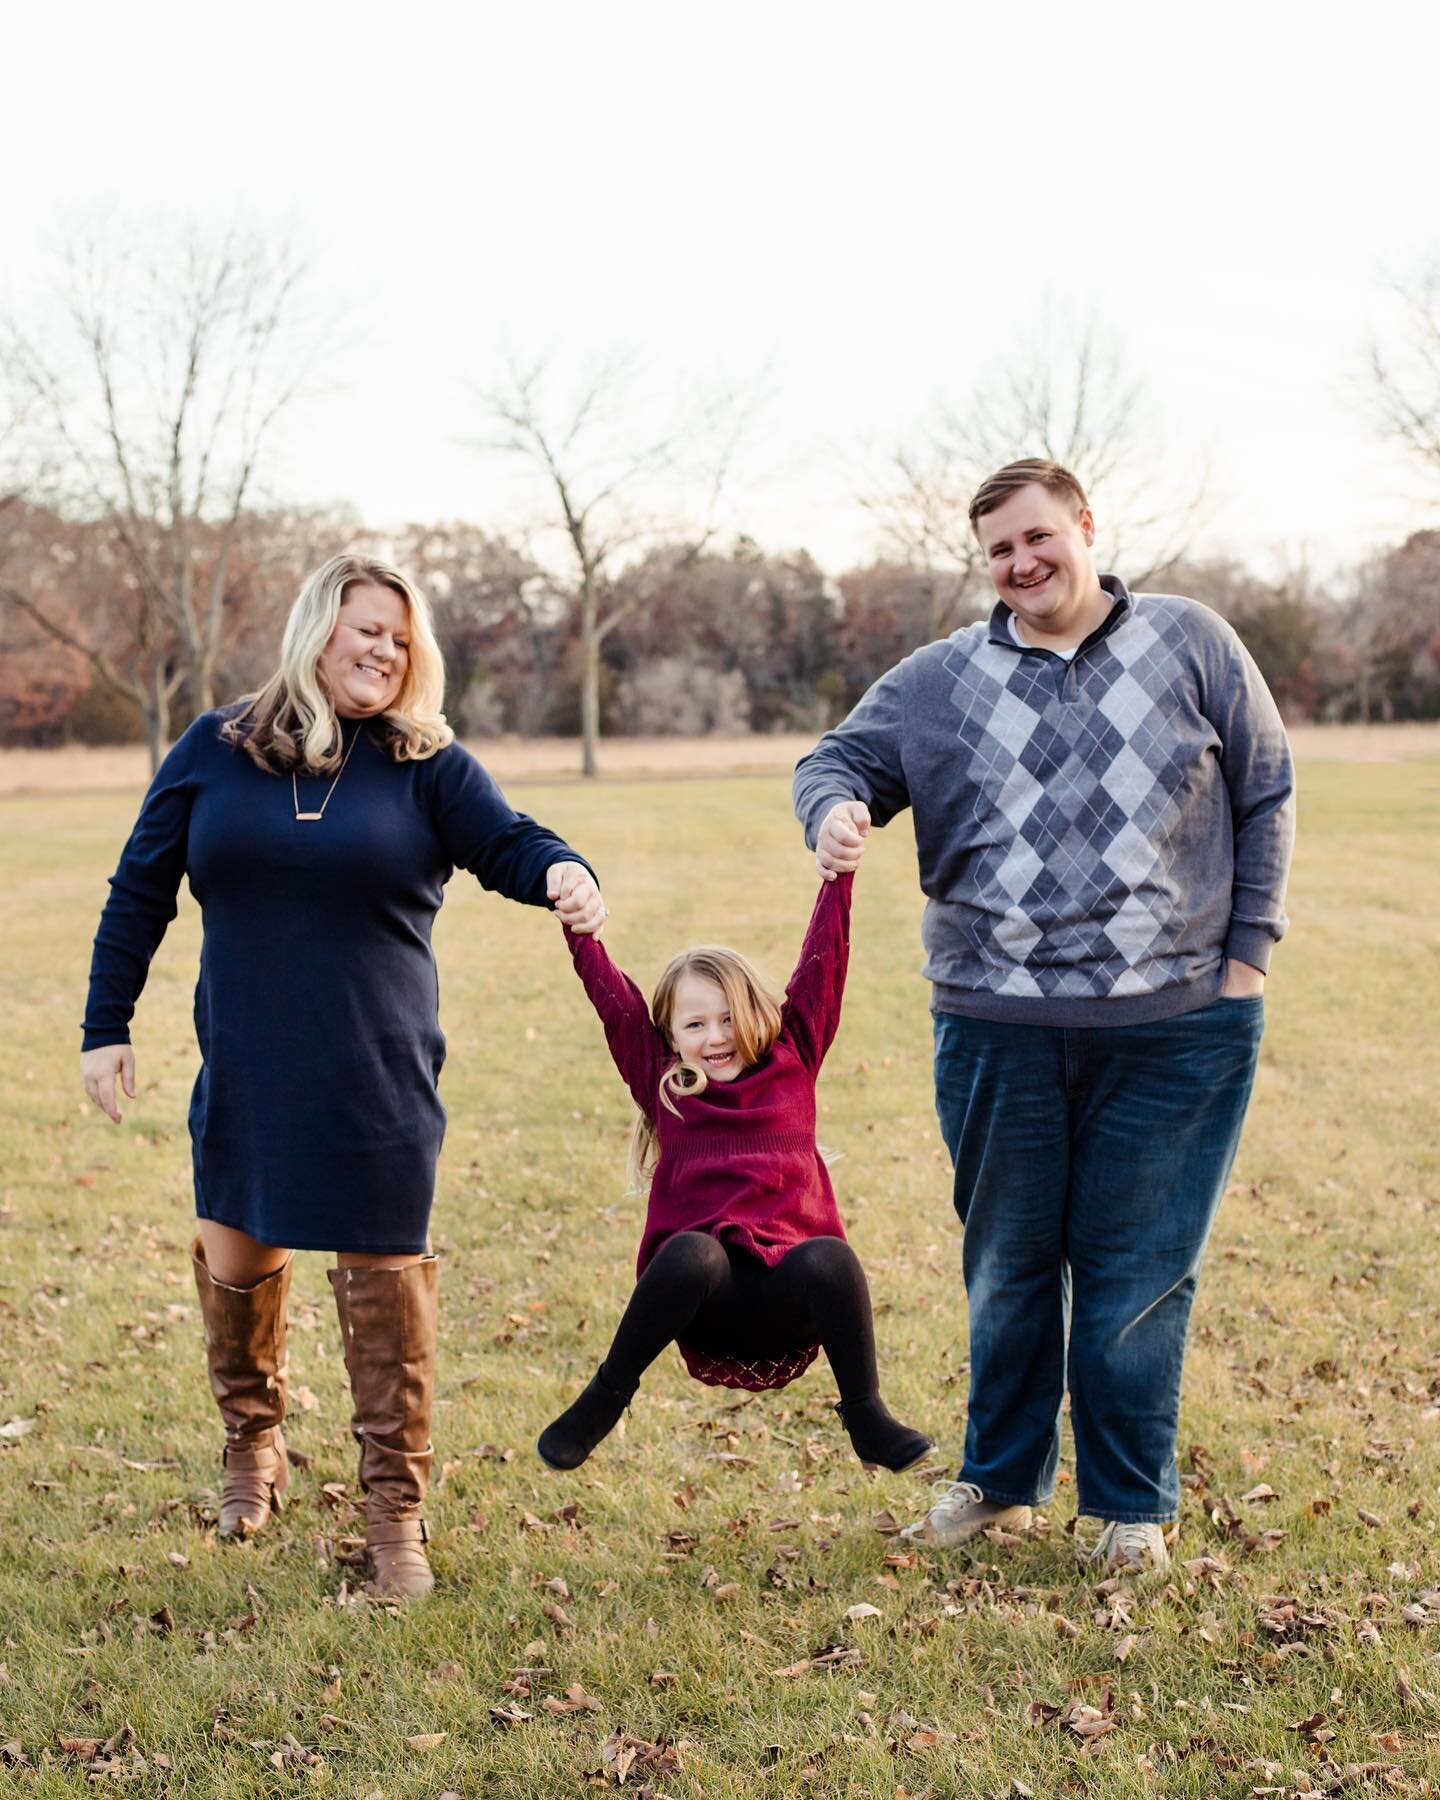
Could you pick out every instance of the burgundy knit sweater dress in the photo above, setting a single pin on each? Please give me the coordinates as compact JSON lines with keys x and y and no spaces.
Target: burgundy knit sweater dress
{"x":740,"y":1162}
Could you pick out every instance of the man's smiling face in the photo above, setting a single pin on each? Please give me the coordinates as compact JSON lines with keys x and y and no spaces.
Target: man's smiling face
{"x":1038,"y":551}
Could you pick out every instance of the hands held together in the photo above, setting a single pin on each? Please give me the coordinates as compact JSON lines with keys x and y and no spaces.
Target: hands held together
{"x":841,"y":840}
{"x":571,"y":890}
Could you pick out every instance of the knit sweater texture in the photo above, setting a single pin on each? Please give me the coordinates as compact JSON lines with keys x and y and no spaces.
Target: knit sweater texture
{"x":740,"y":1160}
{"x":1095,"y":836}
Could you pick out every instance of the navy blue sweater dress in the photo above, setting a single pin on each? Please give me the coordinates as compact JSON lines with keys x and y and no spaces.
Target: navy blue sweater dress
{"x":316,"y":1119}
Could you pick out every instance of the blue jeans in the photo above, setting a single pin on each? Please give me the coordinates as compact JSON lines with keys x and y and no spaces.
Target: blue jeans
{"x":1088,"y":1167}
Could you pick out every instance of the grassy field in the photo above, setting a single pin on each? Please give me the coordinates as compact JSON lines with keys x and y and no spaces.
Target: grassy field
{"x":715,"y":1605}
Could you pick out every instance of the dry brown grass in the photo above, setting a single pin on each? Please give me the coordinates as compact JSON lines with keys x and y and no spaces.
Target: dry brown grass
{"x":77,"y":769}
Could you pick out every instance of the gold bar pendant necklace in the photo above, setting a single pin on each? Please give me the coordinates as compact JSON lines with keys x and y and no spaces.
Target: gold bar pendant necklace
{"x":306,"y":818}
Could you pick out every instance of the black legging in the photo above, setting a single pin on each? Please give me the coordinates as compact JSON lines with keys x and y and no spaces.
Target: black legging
{"x":728,"y":1303}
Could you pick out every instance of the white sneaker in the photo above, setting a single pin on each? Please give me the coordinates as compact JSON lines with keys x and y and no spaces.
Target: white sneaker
{"x":1127,"y":1548}
{"x":962,"y":1512}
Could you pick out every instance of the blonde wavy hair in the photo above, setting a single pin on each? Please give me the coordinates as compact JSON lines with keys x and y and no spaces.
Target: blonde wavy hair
{"x":291,"y":722}
{"x":754,"y":1018}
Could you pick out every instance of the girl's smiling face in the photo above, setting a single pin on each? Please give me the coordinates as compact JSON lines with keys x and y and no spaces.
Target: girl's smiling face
{"x":701,"y":1028}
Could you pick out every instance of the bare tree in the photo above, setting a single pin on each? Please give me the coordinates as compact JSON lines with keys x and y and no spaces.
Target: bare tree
{"x":155,"y":398}
{"x":1070,"y":396}
{"x":1403,"y":375}
{"x":611,"y":487}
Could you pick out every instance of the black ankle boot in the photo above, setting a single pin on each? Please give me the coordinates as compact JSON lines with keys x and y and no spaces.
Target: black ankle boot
{"x":566,"y":1442}
{"x":880,"y":1441}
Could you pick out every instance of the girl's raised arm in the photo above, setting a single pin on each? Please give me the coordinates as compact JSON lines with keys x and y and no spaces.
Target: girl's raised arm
{"x":639,"y":1050}
{"x":817,"y":987}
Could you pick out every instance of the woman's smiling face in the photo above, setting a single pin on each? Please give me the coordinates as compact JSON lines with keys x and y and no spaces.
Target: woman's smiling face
{"x":363,"y":666}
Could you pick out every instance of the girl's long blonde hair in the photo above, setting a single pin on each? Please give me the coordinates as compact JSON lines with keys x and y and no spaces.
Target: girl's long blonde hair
{"x":292,"y":721}
{"x":754,"y":1018}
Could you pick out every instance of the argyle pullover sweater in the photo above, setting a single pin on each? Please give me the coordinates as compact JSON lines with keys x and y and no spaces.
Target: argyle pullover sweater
{"x":740,"y":1161}
{"x":1095,"y":836}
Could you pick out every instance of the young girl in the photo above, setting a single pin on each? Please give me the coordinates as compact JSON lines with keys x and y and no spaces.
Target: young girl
{"x":743,"y":1263}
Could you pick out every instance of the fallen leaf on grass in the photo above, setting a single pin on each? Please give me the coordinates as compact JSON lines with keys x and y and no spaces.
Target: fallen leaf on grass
{"x":557,"y":1615}
{"x":1373,"y":1520}
{"x":1125,"y":1646}
{"x":863,"y":1610}
{"x":509,"y":1715}
{"x":292,"y":1751}
{"x":17,"y":1428}
{"x":928,"y":1738}
{"x":803,"y":1667}
{"x":84,"y":1748}
{"x":620,"y":1753}
{"x":663,"y":1678}
{"x":1263,"y":1492}
{"x":1089,"y":1722}
{"x":445,"y":1671}
{"x":726,"y":1592}
{"x":427,"y":1740}
{"x":576,"y":1700}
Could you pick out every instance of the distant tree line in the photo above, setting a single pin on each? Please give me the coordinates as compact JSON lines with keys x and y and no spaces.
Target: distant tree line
{"x":144,"y":573}
{"x":727,"y":640}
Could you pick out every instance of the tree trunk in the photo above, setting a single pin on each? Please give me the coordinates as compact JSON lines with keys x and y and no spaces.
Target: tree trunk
{"x":589,"y":678}
{"x":155,"y":710}
{"x":202,"y":685}
{"x":154,"y":738}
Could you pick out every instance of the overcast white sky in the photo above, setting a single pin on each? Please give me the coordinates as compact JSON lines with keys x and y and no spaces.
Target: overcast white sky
{"x":869,"y":199}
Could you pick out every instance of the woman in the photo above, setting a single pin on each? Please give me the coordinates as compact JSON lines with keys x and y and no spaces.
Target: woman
{"x":318,"y":822}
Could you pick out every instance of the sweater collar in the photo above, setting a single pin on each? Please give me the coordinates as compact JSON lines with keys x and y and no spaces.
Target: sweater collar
{"x":1120,"y":605}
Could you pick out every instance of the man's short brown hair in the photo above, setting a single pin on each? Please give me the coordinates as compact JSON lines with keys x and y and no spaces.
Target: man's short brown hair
{"x":996,"y":489}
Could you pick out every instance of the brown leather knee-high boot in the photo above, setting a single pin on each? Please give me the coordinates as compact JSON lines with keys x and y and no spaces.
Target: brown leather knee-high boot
{"x":388,"y":1320}
{"x":245,"y":1339}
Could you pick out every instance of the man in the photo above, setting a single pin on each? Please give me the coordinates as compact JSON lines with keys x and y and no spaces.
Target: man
{"x":1103,"y":807}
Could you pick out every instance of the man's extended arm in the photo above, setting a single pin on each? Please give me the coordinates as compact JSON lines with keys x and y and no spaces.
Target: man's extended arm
{"x":854,"y":777}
